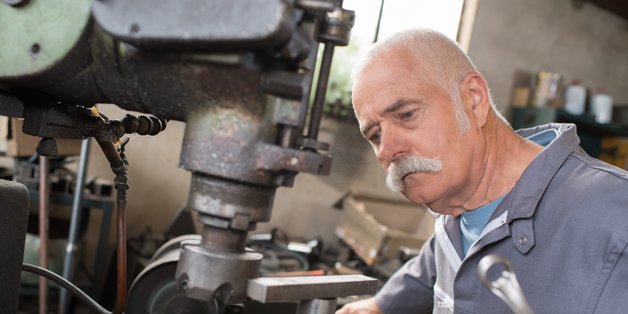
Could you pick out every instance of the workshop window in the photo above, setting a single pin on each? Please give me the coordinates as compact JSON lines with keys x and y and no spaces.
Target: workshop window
{"x":443,"y":16}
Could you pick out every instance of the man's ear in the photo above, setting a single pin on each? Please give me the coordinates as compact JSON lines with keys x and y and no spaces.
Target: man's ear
{"x":474,"y":92}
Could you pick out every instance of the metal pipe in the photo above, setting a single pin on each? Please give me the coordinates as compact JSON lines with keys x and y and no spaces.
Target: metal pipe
{"x":309,"y":66}
{"x":43,"y":231}
{"x":379,"y":21}
{"x":321,"y":89}
{"x":121,"y":184}
{"x":77,"y":204}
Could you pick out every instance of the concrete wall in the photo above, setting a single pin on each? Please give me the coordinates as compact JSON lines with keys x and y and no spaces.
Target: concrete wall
{"x":590,"y":44}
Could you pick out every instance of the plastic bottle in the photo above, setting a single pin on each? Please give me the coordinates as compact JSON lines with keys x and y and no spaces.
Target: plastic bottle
{"x":602,"y":106}
{"x":575,"y":98}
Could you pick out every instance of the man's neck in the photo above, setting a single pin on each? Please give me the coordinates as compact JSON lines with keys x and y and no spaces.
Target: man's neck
{"x":507,"y":155}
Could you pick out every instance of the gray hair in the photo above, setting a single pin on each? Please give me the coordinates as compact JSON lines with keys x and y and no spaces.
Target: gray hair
{"x":443,"y":63}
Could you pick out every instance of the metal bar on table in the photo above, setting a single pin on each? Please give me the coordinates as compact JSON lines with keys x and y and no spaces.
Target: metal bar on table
{"x":277,"y":289}
{"x":43,"y":231}
{"x":75,"y":219}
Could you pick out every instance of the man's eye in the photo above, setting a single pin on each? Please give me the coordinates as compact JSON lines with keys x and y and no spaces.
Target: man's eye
{"x":407,"y":115}
{"x":374,"y":138}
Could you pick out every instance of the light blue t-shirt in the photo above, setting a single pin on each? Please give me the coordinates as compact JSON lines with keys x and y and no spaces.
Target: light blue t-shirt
{"x":472,"y":222}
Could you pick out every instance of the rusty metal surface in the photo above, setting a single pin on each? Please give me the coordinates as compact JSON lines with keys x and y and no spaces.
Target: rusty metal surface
{"x":228,"y":199}
{"x":273,"y":158}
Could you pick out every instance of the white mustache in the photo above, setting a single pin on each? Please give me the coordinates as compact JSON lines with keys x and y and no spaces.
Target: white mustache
{"x":409,"y":164}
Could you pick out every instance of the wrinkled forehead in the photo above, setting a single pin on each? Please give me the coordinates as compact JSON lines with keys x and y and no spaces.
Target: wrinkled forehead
{"x":384,"y":81}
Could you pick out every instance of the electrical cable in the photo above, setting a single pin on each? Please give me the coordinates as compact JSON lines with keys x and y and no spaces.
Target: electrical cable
{"x":65,"y":284}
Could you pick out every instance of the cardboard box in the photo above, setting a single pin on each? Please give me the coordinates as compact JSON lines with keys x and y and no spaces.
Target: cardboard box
{"x":614,"y":150}
{"x":375,"y":228}
{"x":19,"y":144}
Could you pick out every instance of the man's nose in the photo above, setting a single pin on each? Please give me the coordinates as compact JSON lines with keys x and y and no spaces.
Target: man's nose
{"x":391,"y":147}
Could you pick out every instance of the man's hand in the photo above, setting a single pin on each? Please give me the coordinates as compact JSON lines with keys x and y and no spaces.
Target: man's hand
{"x":366,"y":306}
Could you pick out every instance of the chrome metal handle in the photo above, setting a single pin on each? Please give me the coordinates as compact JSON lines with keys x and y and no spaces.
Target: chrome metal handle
{"x":506,"y":286}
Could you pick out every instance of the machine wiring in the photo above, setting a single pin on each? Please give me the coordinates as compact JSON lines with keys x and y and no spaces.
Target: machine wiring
{"x":65,"y":284}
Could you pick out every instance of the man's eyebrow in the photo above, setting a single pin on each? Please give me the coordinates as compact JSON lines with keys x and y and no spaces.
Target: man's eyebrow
{"x":394,"y":107}
{"x":365,"y":129}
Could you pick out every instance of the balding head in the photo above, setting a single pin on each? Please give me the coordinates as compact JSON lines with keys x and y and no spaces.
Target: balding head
{"x":441,"y":58}
{"x":441,"y":61}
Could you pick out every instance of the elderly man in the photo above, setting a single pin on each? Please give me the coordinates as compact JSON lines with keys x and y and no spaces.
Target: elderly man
{"x":532,"y":196}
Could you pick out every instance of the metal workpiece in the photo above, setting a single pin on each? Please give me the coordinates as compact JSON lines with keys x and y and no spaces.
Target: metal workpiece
{"x":197,"y":24}
{"x":206,"y":274}
{"x":505,"y":284}
{"x":278,"y":289}
{"x":237,"y":204}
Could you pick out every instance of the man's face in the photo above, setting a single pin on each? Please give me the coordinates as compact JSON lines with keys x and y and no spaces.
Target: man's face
{"x":402,"y":114}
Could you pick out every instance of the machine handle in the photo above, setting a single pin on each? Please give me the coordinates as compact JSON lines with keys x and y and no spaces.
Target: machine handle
{"x":506,"y":286}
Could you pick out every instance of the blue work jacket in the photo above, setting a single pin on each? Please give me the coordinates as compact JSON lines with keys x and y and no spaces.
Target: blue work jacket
{"x":565,"y":232}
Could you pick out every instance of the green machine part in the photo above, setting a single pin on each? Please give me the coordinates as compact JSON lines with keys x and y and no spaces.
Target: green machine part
{"x":38,"y":36}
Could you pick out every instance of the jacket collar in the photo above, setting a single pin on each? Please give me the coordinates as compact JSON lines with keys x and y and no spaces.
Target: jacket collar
{"x":534,"y":181}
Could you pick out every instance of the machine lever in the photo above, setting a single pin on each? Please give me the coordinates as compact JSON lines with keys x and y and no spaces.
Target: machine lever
{"x":506,"y":286}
